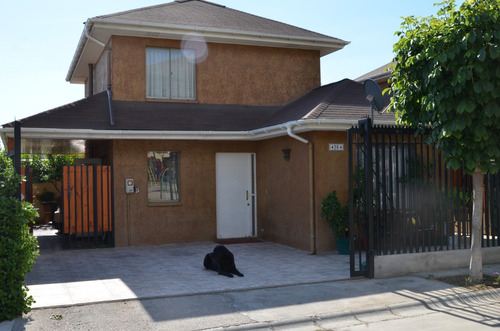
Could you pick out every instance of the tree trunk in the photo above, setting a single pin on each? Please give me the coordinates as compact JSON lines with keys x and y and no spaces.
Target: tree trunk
{"x":476,"y":258}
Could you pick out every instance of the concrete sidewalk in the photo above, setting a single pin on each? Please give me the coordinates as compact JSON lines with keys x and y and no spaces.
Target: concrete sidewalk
{"x":166,"y":287}
{"x":402,"y":303}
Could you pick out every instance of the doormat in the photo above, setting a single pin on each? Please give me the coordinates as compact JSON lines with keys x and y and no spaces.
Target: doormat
{"x":238,"y":241}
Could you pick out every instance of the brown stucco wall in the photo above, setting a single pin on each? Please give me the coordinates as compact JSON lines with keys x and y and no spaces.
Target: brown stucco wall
{"x":283,"y":192}
{"x":194,"y":219}
{"x":331,"y":173}
{"x":231,"y":74}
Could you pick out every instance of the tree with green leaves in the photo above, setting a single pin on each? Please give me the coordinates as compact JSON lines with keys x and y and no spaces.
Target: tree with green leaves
{"x":18,"y":248}
{"x":49,"y":169}
{"x":446,"y":78}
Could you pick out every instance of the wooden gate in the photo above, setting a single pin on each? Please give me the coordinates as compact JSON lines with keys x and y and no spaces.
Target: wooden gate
{"x":87,"y":206}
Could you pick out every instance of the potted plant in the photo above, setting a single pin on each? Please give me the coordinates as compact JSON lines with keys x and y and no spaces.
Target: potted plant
{"x":337,"y":216}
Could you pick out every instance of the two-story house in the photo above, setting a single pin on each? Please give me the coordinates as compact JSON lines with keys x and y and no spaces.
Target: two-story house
{"x":219,"y":118}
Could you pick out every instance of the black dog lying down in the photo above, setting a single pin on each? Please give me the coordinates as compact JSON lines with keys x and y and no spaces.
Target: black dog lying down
{"x":222,"y":261}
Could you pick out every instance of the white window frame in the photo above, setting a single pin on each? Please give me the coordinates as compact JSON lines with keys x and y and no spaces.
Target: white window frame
{"x":170,"y":74}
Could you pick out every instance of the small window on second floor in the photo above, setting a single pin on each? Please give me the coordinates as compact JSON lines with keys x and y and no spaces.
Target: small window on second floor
{"x":170,"y":74}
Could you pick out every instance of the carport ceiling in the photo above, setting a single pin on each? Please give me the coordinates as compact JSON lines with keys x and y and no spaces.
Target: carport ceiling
{"x":52,"y":146}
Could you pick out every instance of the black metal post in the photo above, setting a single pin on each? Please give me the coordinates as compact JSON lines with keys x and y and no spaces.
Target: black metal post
{"x":366,"y":131}
{"x":17,"y":154}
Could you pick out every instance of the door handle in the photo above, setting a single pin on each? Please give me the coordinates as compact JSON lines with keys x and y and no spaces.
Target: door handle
{"x":247,"y":195}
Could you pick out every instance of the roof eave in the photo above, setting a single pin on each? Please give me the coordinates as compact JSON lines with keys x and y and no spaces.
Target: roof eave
{"x":278,"y":130}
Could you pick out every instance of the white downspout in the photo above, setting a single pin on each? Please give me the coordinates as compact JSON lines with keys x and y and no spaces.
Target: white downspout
{"x":293,"y":135}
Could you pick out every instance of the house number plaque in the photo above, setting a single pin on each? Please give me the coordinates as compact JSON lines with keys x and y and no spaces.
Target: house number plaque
{"x":336,"y":147}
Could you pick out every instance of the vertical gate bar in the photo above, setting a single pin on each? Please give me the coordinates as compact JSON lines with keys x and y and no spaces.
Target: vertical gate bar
{"x":461,"y":223}
{"x":64,"y":200}
{"x":98,"y":192}
{"x":410,"y":194}
{"x":357,"y":159}
{"x":430,"y":213}
{"x":465,"y":190}
{"x":390,"y":212}
{"x":80,"y":203}
{"x":369,"y":197}
{"x":377,"y":217}
{"x":85,"y":201}
{"x":399,"y":193}
{"x":448,"y":181}
{"x":494,"y":204}
{"x":414,"y":192}
{"x":382,"y":212}
{"x":104,"y":196}
{"x":402,"y":231}
{"x":422,"y":219}
{"x":442,"y":218}
{"x":74,"y":202}
{"x":456,"y":200}
{"x":111,"y":224}
{"x":94,"y":200}
{"x":90,"y":198}
{"x":431,"y":219}
{"x":351,"y":199}
{"x":486,"y":222}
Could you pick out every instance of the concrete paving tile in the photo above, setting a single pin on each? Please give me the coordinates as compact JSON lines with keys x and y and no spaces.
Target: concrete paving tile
{"x":88,"y":291}
{"x":175,"y":269}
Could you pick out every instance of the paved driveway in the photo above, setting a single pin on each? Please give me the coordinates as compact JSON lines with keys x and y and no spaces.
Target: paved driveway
{"x":61,"y":278}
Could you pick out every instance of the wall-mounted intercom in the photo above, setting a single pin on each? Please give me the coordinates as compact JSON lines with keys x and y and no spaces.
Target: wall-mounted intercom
{"x":129,"y":185}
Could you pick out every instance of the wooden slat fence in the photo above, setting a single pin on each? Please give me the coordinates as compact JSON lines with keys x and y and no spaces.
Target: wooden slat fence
{"x":87,"y":201}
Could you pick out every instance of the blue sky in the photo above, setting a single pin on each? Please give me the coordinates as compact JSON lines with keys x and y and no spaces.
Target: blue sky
{"x":39,"y":38}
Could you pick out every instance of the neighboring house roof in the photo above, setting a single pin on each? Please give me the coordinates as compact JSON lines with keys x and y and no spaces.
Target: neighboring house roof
{"x":178,"y":19}
{"x":380,"y":75}
{"x":336,"y":106}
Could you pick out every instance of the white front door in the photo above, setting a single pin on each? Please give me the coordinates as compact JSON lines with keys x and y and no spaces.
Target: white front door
{"x":235,"y":193}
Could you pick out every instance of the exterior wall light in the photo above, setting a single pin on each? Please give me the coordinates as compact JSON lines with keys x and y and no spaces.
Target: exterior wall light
{"x":286,"y":153}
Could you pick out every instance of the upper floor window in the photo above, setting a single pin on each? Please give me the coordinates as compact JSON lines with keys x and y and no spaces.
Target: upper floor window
{"x":170,"y":74}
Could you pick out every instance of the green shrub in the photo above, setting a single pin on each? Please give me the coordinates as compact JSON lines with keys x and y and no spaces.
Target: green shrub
{"x":18,"y":248}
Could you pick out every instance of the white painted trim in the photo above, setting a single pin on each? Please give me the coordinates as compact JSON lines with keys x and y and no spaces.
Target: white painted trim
{"x":251,"y":135}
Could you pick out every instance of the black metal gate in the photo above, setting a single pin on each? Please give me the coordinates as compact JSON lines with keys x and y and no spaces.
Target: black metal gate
{"x":87,"y":214}
{"x":404,"y":199}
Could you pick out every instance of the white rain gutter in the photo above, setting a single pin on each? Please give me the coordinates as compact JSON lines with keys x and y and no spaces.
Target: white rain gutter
{"x":250,"y":135}
{"x":327,"y":44}
{"x":87,"y":34}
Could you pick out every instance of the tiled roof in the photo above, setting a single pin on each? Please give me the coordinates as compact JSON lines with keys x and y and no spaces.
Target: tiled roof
{"x":343,"y":101}
{"x":380,"y":74}
{"x":206,"y":15}
{"x":180,"y":19}
{"x":93,"y":113}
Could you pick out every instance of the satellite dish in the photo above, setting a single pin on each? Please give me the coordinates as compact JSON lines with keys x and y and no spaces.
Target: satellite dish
{"x":374,"y":95}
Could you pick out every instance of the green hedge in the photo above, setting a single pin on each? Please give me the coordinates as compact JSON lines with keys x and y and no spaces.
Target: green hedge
{"x":18,"y":248}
